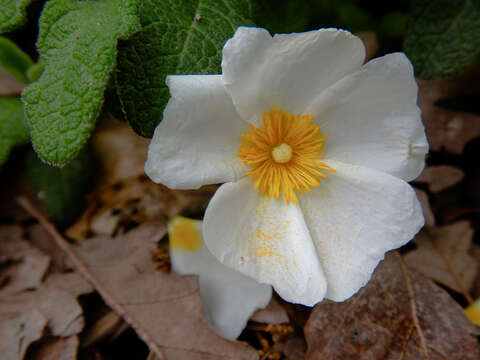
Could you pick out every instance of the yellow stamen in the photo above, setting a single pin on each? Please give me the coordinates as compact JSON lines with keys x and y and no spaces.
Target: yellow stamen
{"x":283,"y":154}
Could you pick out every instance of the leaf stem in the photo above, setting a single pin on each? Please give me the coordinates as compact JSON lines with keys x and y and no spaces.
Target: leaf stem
{"x":82,"y":268}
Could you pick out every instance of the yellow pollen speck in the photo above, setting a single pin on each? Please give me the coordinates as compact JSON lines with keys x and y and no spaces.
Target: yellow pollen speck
{"x":283,"y":154}
{"x":184,"y":234}
{"x":263,"y":253}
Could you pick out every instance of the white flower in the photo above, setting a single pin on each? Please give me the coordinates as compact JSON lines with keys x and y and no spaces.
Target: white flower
{"x":311,"y":215}
{"x":229,"y":298}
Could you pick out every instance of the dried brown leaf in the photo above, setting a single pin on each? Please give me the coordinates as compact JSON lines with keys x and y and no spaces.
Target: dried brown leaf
{"x":29,"y":306}
{"x":121,"y":152}
{"x":442,"y":254}
{"x":453,"y":213}
{"x":21,"y":265}
{"x":102,"y":328}
{"x":427,"y":210}
{"x":42,"y":240}
{"x":54,"y":349}
{"x":274,"y":313}
{"x":9,"y":84}
{"x":18,"y":330}
{"x":116,"y":207}
{"x":124,"y":195}
{"x":165,"y":309}
{"x":440,"y":177}
{"x":70,"y":283}
{"x":476,"y":283}
{"x":138,"y":200}
{"x":400,"y":314}
{"x":91,"y":354}
{"x":294,"y":347}
{"x":445,"y":128}
{"x":370,"y":41}
{"x":55,"y":300}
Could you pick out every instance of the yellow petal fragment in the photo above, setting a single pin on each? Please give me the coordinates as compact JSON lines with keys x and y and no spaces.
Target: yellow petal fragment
{"x":473,"y":312}
{"x":184,"y":234}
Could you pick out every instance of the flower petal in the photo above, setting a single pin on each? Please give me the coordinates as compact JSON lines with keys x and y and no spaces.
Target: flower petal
{"x":372,"y":118}
{"x":287,"y":71}
{"x":197,"y":140}
{"x":264,"y":238}
{"x":229,"y":297}
{"x":355,"y":216}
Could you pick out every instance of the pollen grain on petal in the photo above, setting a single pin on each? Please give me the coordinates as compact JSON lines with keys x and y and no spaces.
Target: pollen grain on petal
{"x":283,"y":154}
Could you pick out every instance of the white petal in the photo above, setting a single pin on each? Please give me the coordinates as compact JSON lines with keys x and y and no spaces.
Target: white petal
{"x":197,"y":140}
{"x":229,"y":297}
{"x":372,"y":118}
{"x":286,"y":71}
{"x":266,"y":239}
{"x":355,"y":216}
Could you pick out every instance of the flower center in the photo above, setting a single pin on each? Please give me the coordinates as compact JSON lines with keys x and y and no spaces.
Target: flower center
{"x":283,"y":154}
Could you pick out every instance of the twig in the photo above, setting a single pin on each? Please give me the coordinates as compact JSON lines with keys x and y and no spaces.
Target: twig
{"x":413,"y":308}
{"x":452,"y":271}
{"x":438,"y":352}
{"x":82,"y":268}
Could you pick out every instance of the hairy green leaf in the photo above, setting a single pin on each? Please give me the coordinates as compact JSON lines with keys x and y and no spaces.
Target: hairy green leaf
{"x":443,"y":37}
{"x":14,"y":60}
{"x":62,"y":190}
{"x":354,"y":18}
{"x":13,"y":126}
{"x":177,"y":37}
{"x":77,"y":43}
{"x":393,"y":25}
{"x":34,"y":71}
{"x":12,"y":14}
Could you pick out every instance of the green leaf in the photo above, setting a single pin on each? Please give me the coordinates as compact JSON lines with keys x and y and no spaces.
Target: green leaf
{"x":443,"y":37}
{"x":393,"y":25}
{"x":353,"y":18}
{"x":12,"y":14}
{"x":77,"y":43}
{"x":14,"y":60}
{"x":13,"y":126}
{"x":34,"y":71}
{"x":177,"y":37}
{"x":62,"y":190}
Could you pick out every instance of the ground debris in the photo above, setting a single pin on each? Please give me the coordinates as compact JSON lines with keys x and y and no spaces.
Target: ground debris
{"x":51,"y":348}
{"x":274,"y":313}
{"x":443,"y":254}
{"x":440,"y":177}
{"x":161,"y":258}
{"x":446,"y":128}
{"x":22,"y":266}
{"x":399,"y":314}
{"x":122,"y":206}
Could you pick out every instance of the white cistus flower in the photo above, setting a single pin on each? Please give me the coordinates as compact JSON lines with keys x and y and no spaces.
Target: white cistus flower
{"x":315,"y":149}
{"x":229,"y":297}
